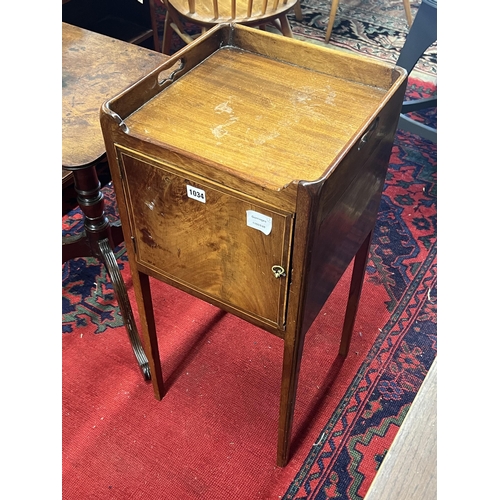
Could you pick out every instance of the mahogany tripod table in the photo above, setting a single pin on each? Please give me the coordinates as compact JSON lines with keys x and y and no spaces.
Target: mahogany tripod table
{"x":248,"y":170}
{"x":94,"y":68}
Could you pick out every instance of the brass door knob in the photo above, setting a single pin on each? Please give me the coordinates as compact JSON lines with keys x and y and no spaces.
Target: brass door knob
{"x":278,"y":271}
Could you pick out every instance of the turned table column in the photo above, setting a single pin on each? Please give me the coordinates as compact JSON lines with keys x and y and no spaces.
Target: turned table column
{"x":95,"y":67}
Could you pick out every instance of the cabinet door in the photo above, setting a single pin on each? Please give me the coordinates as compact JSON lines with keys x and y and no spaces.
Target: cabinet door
{"x":198,"y":234}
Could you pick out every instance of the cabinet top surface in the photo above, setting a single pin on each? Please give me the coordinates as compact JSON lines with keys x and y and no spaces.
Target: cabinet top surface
{"x":268,"y":121}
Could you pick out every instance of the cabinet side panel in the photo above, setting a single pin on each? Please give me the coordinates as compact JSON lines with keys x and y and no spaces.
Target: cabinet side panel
{"x":348,"y":208}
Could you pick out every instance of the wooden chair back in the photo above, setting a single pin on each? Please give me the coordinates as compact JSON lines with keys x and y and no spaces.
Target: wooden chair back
{"x":218,"y":11}
{"x":208,"y":13}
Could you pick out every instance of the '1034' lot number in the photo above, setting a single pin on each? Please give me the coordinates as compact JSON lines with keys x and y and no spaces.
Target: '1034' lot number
{"x":196,"y":193}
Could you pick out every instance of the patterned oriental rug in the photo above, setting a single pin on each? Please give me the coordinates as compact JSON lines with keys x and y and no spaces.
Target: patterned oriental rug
{"x":213,"y":436}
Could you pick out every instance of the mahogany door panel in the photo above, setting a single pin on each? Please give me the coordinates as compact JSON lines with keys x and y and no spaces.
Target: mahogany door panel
{"x":210,"y":239}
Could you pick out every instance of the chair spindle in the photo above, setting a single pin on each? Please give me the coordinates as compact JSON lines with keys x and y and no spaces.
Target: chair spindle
{"x":249,"y":8}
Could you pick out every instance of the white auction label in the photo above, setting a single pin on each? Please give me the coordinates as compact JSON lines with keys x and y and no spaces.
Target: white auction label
{"x":196,"y":193}
{"x":259,"y":221}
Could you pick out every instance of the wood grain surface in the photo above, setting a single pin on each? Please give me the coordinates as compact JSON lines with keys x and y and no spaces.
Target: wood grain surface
{"x":204,"y":243}
{"x":293,"y":120}
{"x":94,"y":68}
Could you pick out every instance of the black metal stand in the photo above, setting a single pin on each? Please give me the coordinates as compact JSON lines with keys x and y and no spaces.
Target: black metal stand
{"x":422,"y":34}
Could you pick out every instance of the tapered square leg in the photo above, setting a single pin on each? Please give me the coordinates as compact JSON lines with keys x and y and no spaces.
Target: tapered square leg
{"x":145,"y":305}
{"x":358,"y":275}
{"x":289,"y":381}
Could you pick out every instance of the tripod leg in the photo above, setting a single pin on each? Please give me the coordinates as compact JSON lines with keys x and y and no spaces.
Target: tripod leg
{"x":109,"y":259}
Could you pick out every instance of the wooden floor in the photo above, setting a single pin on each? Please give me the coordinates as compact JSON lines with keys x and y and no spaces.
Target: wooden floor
{"x":408,"y":471}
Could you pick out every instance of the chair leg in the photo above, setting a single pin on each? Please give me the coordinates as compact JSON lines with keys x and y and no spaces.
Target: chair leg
{"x":331,"y":19}
{"x":154,"y":26}
{"x":167,"y":35}
{"x":298,"y":11}
{"x":409,"y":18}
{"x":285,"y":26}
{"x":173,"y":24}
{"x":276,"y":24}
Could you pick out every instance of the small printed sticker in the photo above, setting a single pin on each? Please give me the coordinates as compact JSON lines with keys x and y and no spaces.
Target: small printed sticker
{"x":259,"y":221}
{"x":196,"y":193}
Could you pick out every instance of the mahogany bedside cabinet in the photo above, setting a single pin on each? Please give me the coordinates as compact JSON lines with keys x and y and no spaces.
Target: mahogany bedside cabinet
{"x":248,"y":171}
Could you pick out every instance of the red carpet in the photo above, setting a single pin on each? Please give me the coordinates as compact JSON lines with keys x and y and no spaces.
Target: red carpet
{"x":214,"y":434}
